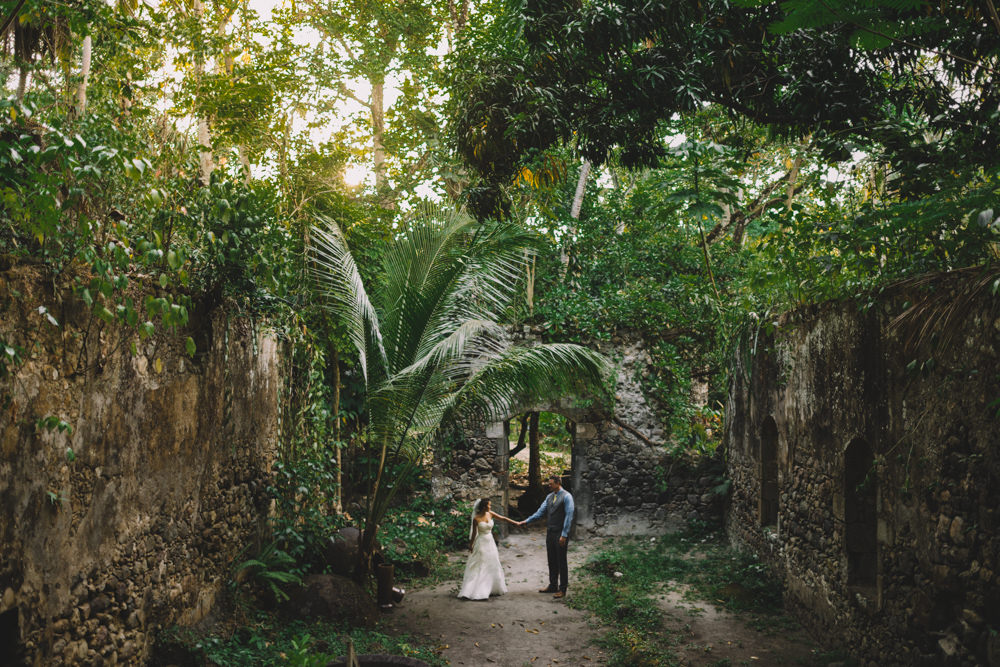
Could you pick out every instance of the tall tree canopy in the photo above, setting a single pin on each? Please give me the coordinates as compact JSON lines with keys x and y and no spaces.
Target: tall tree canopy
{"x":910,"y":79}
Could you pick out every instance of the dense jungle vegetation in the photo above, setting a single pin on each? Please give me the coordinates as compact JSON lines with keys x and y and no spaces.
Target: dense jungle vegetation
{"x":682,"y":172}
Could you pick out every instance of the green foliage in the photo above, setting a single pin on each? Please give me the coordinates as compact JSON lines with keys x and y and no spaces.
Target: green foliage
{"x":889,"y":78}
{"x":141,"y":239}
{"x":637,"y":267}
{"x":54,"y":423}
{"x":304,"y":516}
{"x":265,"y":641}
{"x":272,"y":568}
{"x":417,"y":534}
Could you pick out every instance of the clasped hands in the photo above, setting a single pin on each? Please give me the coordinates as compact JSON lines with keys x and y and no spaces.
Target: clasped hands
{"x":562,"y":540}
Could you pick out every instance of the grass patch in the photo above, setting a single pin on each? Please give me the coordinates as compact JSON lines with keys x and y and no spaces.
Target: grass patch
{"x":625,"y":574}
{"x":266,"y":641}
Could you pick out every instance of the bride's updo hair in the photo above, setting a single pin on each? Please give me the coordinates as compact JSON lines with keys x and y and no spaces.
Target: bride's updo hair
{"x":480,"y":505}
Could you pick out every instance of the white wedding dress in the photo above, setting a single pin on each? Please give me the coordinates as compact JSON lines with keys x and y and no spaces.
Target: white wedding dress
{"x":483,"y":572}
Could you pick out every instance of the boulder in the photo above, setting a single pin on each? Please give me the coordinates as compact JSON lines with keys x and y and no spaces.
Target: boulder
{"x":333,"y":597}
{"x":342,"y":551}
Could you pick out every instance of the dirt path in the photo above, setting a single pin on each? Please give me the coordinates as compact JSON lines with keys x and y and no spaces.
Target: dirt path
{"x":525,"y":627}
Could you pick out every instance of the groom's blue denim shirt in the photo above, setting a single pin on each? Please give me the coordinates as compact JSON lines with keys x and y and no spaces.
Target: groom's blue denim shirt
{"x":570,"y":509}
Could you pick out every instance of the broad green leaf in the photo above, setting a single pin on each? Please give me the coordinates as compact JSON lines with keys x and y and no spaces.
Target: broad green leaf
{"x":104,"y":314}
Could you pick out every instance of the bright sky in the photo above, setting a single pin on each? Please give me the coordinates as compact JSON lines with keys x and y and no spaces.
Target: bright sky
{"x":354,"y":174}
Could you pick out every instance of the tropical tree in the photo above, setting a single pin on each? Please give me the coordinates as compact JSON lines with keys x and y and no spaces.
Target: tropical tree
{"x":910,"y":80}
{"x":430,"y":346}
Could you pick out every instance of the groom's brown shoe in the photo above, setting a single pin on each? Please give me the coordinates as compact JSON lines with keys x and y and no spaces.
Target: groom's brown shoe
{"x":547,"y":590}
{"x":560,"y":594}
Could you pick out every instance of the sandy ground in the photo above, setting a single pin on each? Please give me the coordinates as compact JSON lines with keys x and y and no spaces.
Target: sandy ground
{"x":525,"y":627}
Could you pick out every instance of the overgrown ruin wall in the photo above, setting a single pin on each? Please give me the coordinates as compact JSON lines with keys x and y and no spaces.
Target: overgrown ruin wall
{"x":621,"y":484}
{"x":133,"y":521}
{"x":866,"y":472}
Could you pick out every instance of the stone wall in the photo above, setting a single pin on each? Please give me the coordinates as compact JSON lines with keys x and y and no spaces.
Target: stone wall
{"x":621,"y":484}
{"x":473,"y":467}
{"x":133,"y":520}
{"x":866,"y":472}
{"x":624,"y":486}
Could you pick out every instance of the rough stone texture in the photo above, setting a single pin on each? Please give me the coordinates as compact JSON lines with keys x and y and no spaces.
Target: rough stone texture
{"x":621,"y":484}
{"x":836,"y":377}
{"x":139,"y":529}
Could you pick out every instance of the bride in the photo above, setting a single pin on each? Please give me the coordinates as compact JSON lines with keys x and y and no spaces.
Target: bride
{"x":483,"y":572}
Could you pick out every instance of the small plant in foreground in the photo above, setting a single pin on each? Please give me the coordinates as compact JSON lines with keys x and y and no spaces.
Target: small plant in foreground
{"x":271,"y":568}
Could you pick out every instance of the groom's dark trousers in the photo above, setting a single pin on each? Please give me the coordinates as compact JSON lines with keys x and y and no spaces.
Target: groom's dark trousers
{"x":558,"y":565}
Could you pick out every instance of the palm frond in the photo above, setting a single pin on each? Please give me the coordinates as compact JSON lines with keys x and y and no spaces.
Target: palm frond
{"x":337,"y":274}
{"x":940,"y":315}
{"x":522,"y":376}
{"x":429,"y":340}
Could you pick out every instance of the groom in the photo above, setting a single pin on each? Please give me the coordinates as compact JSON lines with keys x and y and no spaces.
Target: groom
{"x":558,"y":509}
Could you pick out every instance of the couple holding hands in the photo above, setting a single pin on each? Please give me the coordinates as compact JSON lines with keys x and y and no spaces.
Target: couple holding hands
{"x":484,"y":574}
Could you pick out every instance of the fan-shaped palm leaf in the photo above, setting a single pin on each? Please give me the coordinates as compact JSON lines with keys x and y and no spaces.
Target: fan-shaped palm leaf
{"x":429,"y":341}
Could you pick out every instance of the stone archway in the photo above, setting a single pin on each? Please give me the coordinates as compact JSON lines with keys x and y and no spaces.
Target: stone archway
{"x":479,"y":467}
{"x":621,"y":483}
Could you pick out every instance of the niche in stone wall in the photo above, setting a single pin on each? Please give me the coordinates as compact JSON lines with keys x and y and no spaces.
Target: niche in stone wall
{"x":10,"y":638}
{"x":769,"y":473}
{"x":860,"y":514}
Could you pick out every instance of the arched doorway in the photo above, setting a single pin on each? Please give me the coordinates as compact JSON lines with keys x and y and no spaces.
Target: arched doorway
{"x":10,"y":638}
{"x":541,"y":445}
{"x":860,"y":514}
{"x":768,"y":505}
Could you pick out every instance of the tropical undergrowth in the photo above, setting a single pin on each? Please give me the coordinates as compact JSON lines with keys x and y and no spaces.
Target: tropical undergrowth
{"x":418,"y":533}
{"x":263,"y":641}
{"x":624,"y":579}
{"x":416,"y":536}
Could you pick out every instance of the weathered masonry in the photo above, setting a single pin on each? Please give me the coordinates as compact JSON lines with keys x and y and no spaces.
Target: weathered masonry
{"x":864,"y":452}
{"x":132,"y":520}
{"x":621,"y":485}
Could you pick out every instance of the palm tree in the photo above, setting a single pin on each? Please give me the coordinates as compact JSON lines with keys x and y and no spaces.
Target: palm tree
{"x":430,"y":347}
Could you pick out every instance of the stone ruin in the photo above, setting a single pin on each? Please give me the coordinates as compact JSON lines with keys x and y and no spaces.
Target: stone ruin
{"x":866,"y":470}
{"x":131,"y":521}
{"x":621,"y":484}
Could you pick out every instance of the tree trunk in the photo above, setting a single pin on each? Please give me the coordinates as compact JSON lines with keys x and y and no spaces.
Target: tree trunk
{"x":338,"y":499}
{"x":378,"y":145}
{"x":581,"y":188}
{"x":459,"y":16}
{"x":534,"y":455}
{"x":793,"y":177}
{"x":367,"y":548}
{"x":22,"y":83}
{"x":574,"y":212}
{"x":204,"y":136}
{"x":227,"y":63}
{"x":521,"y":435}
{"x":81,"y":91}
{"x":245,"y":162}
{"x":529,"y":287}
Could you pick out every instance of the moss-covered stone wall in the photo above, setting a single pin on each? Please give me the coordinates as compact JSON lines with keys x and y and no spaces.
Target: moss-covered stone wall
{"x":131,"y":519}
{"x":864,"y":453}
